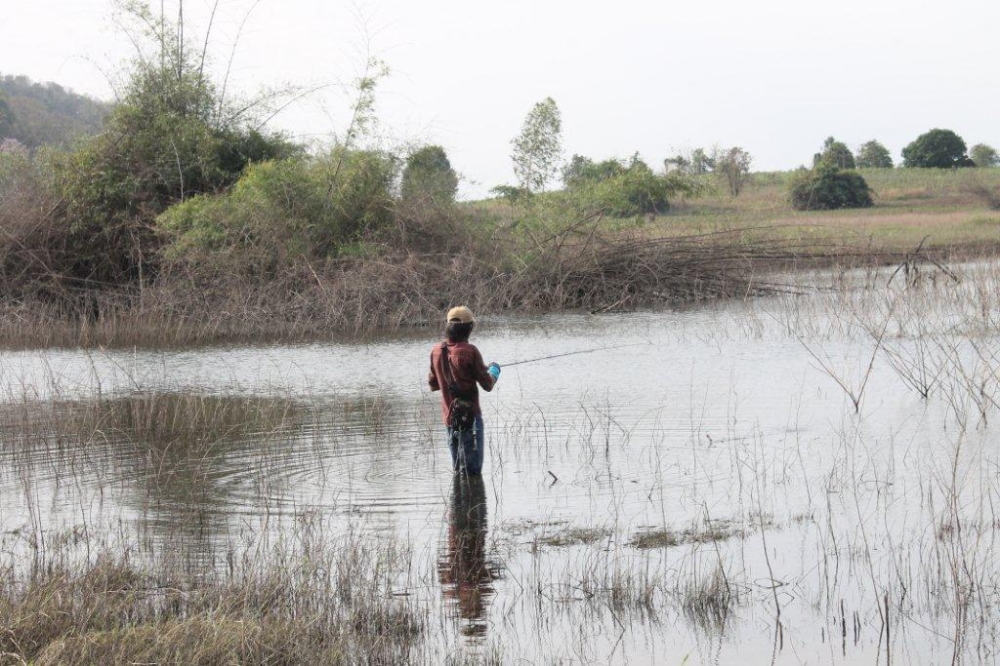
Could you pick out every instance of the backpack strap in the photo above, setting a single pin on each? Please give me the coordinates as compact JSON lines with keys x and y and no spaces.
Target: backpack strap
{"x":450,"y":378}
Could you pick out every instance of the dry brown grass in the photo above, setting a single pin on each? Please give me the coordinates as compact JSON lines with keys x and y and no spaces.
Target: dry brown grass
{"x":580,"y":269}
{"x":316,"y":607}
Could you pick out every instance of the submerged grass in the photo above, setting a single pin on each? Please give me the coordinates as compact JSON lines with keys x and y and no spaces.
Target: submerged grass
{"x":665,"y":538}
{"x":574,"y":536}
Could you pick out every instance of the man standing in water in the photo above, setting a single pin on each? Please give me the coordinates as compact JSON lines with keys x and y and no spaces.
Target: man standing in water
{"x":456,"y":369}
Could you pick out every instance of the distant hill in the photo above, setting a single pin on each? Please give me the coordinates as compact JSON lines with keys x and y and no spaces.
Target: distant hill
{"x":46,"y":114}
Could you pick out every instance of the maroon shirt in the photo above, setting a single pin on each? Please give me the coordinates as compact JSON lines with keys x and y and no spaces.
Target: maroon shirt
{"x":467,"y":368}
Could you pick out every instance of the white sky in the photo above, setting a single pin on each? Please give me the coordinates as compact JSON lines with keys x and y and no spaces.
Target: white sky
{"x":773,"y":76}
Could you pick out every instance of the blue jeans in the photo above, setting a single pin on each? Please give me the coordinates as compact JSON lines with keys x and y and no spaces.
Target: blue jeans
{"x":467,"y":448}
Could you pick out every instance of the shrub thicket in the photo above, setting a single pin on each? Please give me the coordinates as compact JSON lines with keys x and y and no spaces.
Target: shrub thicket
{"x":827,"y":187}
{"x":283,"y":211}
{"x":171,"y":137}
{"x":622,"y":189}
{"x":164,"y":144}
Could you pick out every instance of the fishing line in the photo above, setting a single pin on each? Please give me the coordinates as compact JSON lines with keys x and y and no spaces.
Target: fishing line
{"x":571,"y":353}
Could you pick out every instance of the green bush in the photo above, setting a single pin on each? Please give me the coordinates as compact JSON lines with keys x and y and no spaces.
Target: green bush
{"x":623,"y":190}
{"x":827,"y":187}
{"x":286,"y":210}
{"x":633,"y":192}
{"x":583,"y":171}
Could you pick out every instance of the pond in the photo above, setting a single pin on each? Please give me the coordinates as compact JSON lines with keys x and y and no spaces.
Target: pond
{"x":807,"y":477}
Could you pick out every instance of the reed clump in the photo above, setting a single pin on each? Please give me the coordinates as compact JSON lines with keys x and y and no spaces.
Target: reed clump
{"x":149,"y":419}
{"x":575,"y":536}
{"x":279,"y":610}
{"x":708,"y":600}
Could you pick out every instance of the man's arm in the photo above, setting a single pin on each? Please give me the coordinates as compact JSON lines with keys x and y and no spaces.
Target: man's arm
{"x":482,"y":374}
{"x":432,"y":380}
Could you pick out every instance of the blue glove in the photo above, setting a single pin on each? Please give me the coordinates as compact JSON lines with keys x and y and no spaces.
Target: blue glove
{"x":494,"y":371}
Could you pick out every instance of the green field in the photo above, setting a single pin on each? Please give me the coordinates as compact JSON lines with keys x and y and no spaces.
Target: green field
{"x":947,"y":207}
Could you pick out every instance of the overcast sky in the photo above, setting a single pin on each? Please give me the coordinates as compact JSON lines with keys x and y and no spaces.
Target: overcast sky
{"x":773,"y":76}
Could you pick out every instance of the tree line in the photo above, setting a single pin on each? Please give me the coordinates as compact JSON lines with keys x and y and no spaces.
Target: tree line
{"x":39,"y":114}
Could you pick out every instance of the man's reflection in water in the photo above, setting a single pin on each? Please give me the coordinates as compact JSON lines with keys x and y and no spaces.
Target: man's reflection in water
{"x":467,"y":573}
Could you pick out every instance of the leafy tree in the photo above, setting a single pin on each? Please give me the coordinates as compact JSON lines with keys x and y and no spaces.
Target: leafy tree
{"x":538,"y":148}
{"x":984,"y":156}
{"x":873,"y":155}
{"x":698,"y":162}
{"x":701,"y":162}
{"x":428,"y":176}
{"x":836,"y":153}
{"x":677,"y":163}
{"x":827,"y":188}
{"x":938,"y":148}
{"x":734,"y":167}
{"x":510,"y":193}
{"x":6,"y":118}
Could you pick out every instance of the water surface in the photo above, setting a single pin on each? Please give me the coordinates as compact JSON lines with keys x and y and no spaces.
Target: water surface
{"x":791,"y":428}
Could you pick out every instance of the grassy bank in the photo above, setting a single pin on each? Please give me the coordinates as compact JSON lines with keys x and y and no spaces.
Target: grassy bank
{"x":949,"y":210}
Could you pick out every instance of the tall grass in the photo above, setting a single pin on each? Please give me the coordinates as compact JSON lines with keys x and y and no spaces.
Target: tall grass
{"x":305,"y":601}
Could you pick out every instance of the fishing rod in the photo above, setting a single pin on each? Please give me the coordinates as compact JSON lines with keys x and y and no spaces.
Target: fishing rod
{"x":572,"y":353}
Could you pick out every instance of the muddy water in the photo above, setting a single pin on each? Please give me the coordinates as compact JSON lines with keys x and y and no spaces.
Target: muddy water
{"x":780,"y":450}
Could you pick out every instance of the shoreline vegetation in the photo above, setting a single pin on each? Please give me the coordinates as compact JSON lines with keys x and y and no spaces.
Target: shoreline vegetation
{"x":499,"y":258}
{"x":184,"y":221}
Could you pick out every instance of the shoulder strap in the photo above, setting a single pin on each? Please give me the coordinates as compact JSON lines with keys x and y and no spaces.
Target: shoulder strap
{"x":449,"y":377}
